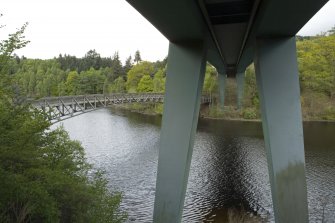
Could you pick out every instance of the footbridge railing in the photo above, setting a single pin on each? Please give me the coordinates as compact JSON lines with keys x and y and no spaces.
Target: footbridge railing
{"x":60,"y":108}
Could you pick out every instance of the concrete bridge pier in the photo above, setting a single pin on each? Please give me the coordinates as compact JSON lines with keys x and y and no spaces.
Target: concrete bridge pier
{"x":240,"y":88}
{"x":222,"y":80}
{"x":185,"y":77}
{"x":278,"y":85}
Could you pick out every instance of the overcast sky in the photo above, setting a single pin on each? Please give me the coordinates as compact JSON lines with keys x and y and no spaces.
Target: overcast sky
{"x":75,"y":26}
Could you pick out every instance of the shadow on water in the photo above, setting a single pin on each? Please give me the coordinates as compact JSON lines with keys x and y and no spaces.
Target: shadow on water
{"x":228,"y":169}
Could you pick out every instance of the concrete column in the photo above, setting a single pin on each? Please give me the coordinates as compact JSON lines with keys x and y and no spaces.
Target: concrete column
{"x":240,"y":88}
{"x":185,"y":76}
{"x":278,"y":85}
{"x":222,"y":80}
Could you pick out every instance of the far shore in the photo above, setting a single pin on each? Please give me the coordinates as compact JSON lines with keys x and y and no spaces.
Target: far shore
{"x":152,"y":113}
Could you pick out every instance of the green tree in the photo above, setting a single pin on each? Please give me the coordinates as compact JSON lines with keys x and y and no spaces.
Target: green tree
{"x":91,"y":82}
{"x":43,"y":173}
{"x":136,"y":73}
{"x":72,"y":83}
{"x":7,"y":47}
{"x":118,"y":86}
{"x":146,"y":84}
{"x":137,"y":58}
{"x":210,"y":82}
{"x":128,"y":65}
{"x":117,"y":65}
{"x":159,"y":81}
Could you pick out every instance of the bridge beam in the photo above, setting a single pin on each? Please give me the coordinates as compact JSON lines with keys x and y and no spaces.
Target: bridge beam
{"x":222,"y":86}
{"x":240,"y":88}
{"x":278,"y":85}
{"x":185,"y":76}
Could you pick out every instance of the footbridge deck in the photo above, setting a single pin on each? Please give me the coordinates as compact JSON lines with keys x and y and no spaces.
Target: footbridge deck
{"x":63,"y":107}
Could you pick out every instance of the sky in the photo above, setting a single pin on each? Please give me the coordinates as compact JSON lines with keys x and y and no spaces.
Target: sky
{"x":76,"y":26}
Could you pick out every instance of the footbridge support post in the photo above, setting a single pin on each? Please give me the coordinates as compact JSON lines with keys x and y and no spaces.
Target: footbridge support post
{"x":222,"y":80}
{"x":278,"y":85}
{"x":185,"y":76}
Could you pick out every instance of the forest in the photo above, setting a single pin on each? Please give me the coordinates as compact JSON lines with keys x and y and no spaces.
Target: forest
{"x":93,"y":74}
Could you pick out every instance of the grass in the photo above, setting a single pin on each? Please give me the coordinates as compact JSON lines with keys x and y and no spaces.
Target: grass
{"x":233,"y":215}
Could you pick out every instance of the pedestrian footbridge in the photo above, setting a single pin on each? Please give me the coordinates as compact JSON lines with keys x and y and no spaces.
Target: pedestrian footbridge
{"x":64,"y":107}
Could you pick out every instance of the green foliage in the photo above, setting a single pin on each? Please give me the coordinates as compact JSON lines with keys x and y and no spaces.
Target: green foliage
{"x":316,"y":58}
{"x":44,"y":175}
{"x":249,"y":113}
{"x":91,"y":82}
{"x":159,"y":108}
{"x":159,"y":81}
{"x":211,"y":80}
{"x":118,"y":86}
{"x":128,"y":65}
{"x":72,"y":83}
{"x":317,"y":64}
{"x":137,"y":58}
{"x":7,"y":47}
{"x":136,"y":73}
{"x":146,"y":84}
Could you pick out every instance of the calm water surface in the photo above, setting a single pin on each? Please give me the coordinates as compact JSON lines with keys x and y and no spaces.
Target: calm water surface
{"x":228,"y":170}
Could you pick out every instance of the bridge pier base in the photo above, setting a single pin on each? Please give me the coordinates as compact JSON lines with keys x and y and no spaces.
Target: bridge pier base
{"x":278,"y":85}
{"x":185,"y":76}
{"x":222,"y":86}
{"x":240,"y":88}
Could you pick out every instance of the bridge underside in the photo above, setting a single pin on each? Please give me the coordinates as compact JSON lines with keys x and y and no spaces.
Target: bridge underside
{"x":231,"y":34}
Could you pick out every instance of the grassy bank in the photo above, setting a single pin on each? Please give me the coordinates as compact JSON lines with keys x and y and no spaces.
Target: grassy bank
{"x":143,"y":108}
{"x":233,"y":215}
{"x":228,"y":112}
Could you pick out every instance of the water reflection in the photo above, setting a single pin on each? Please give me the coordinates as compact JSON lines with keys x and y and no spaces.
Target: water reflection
{"x":228,"y":168}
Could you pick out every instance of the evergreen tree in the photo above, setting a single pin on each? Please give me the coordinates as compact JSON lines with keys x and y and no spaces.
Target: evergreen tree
{"x":137,"y":58}
{"x":117,"y":68}
{"x":128,"y":65}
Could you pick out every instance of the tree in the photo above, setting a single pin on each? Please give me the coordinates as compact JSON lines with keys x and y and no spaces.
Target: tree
{"x":211,"y":79}
{"x":118,"y":86}
{"x":72,"y":83}
{"x":128,"y":65}
{"x":159,"y":81}
{"x":91,"y":59}
{"x":136,"y":73}
{"x":91,"y":82}
{"x":137,"y":58}
{"x":116,"y":67}
{"x":7,"y":47}
{"x":43,"y":173}
{"x":146,"y":84}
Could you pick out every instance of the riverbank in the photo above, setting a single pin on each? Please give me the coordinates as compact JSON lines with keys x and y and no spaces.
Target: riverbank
{"x":211,"y":112}
{"x":233,"y":215}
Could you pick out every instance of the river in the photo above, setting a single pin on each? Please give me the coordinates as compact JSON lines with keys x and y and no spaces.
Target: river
{"x":228,"y":169}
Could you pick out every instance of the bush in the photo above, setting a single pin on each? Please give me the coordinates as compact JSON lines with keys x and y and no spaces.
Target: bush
{"x":249,"y":113}
{"x":44,"y":174}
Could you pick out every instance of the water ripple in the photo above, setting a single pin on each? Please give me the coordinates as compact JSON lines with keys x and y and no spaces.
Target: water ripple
{"x":228,"y":169}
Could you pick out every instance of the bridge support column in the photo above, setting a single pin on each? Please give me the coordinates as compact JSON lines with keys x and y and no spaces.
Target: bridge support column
{"x":240,"y":88}
{"x":278,"y":85}
{"x":222,"y":80}
{"x":185,"y":76}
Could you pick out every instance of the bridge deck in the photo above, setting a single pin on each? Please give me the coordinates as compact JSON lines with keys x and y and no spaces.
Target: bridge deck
{"x":63,"y":107}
